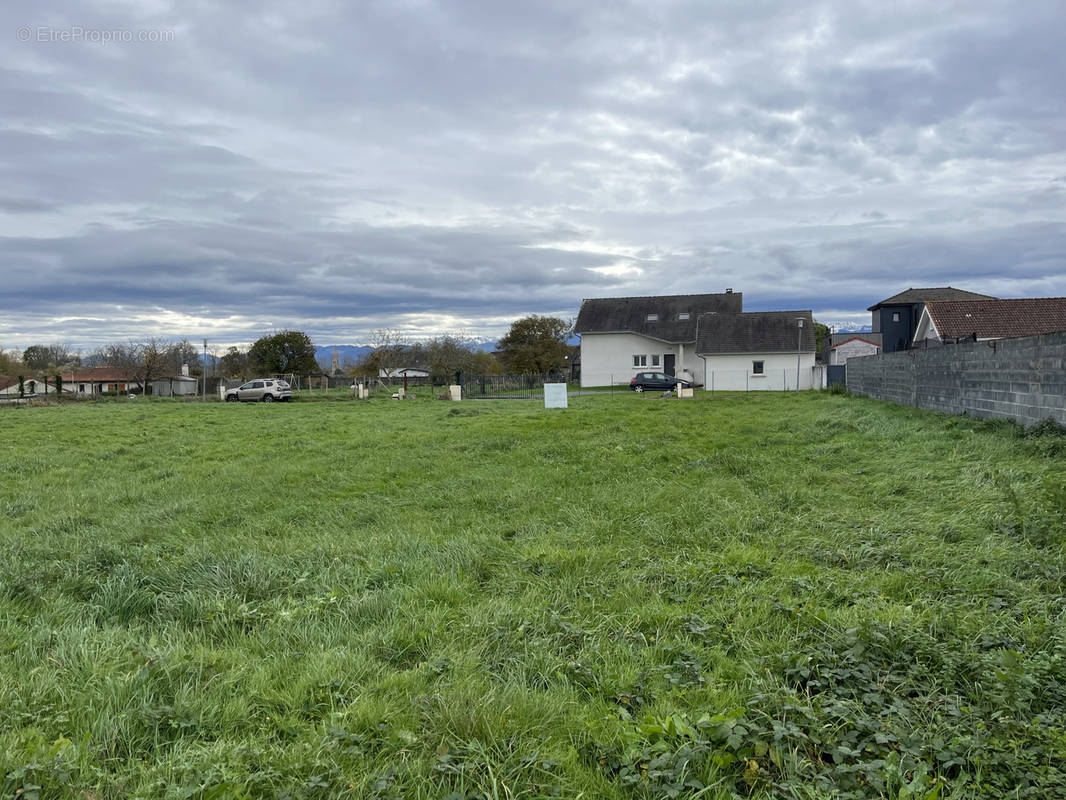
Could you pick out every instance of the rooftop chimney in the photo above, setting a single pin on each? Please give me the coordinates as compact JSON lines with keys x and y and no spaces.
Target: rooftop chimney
{"x":185,"y":370}
{"x":729,"y":291}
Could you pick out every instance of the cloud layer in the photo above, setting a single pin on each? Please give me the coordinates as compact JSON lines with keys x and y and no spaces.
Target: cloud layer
{"x":433,"y":166}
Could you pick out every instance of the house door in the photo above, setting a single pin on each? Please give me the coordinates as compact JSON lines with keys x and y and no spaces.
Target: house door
{"x":668,"y":364}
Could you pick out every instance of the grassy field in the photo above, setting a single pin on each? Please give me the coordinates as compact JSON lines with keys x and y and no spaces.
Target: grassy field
{"x":770,"y":595}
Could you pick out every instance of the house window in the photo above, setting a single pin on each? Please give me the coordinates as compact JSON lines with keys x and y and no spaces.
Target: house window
{"x":757,"y":368}
{"x":895,"y":316}
{"x":655,"y":360}
{"x":640,"y":361}
{"x":683,"y":315}
{"x":653,"y":317}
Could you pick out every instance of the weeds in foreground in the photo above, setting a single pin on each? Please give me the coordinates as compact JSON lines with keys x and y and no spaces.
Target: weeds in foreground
{"x":806,"y":597}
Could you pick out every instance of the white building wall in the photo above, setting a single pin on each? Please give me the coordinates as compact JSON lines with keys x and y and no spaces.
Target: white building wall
{"x":607,"y":358}
{"x":856,"y":348}
{"x":734,"y":372}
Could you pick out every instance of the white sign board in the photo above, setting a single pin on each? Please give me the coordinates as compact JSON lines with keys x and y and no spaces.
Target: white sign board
{"x":555,"y":395}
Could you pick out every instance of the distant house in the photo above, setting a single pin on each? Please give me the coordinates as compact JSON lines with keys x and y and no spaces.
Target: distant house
{"x":896,"y":318}
{"x":404,"y":372}
{"x":9,"y":387}
{"x":757,"y":351}
{"x":947,"y":321}
{"x":98,"y":380}
{"x":118,"y":380}
{"x":621,"y":336}
{"x":842,"y":346}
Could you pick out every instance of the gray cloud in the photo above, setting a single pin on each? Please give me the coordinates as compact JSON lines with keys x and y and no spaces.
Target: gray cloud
{"x":437,"y":165}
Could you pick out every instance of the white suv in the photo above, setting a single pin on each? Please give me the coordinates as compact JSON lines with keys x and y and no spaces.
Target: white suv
{"x":266,"y":389}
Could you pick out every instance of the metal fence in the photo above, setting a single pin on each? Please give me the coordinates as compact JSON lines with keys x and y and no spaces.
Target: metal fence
{"x":771,"y":380}
{"x":507,"y":387}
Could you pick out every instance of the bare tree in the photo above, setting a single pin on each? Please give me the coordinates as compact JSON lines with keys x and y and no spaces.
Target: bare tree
{"x":389,"y":346}
{"x":183,"y":353}
{"x":144,"y":361}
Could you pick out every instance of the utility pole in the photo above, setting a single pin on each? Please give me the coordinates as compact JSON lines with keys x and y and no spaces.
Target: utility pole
{"x":204,"y":371}
{"x":799,"y":345}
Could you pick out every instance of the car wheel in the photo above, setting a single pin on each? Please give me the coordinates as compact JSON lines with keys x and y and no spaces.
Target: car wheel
{"x":231,"y":398}
{"x":638,"y":388}
{"x":268,"y":398}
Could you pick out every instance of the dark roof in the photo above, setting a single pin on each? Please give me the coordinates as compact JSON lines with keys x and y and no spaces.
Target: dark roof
{"x":999,"y":319}
{"x":755,"y":332}
{"x":630,"y":314}
{"x":912,"y":296}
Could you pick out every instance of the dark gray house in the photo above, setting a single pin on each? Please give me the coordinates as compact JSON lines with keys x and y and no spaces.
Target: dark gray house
{"x":896,"y":318}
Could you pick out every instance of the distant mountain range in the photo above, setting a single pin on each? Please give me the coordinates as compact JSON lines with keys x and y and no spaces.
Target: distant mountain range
{"x":851,"y":327}
{"x":353,"y":352}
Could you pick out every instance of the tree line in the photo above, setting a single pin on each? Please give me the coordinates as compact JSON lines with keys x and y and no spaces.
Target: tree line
{"x":534,"y":344}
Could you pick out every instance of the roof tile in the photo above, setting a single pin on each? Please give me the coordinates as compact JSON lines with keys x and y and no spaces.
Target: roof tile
{"x":999,"y":319}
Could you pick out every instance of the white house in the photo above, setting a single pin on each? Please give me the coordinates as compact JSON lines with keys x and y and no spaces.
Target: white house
{"x":758,"y":351}
{"x":621,"y":336}
{"x":98,"y":380}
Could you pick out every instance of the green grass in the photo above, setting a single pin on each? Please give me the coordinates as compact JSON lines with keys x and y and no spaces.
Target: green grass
{"x":768,"y":595}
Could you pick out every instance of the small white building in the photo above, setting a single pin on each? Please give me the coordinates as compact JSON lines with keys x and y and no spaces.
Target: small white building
{"x":621,"y":336}
{"x":854,"y":346}
{"x":175,"y":386}
{"x":758,"y":351}
{"x":404,"y":372}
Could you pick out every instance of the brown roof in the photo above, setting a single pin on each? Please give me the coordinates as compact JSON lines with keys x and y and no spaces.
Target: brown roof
{"x":999,"y":319}
{"x":6,"y":382}
{"x":912,"y":296}
{"x":96,"y":374}
{"x":630,"y":314}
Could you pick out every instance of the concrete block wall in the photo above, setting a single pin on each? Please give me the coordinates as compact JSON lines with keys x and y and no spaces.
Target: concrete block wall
{"x":1020,"y":379}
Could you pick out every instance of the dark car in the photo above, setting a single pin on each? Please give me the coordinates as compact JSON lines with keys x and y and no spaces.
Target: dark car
{"x":656,"y":382}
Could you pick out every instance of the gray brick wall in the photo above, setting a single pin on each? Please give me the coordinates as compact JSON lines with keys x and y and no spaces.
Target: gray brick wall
{"x":1019,"y":379}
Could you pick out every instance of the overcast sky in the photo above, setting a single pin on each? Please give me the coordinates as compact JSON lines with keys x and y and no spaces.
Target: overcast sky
{"x":444,"y":166}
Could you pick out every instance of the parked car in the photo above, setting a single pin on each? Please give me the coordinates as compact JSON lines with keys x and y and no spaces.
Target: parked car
{"x":266,"y":389}
{"x":656,"y":381}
